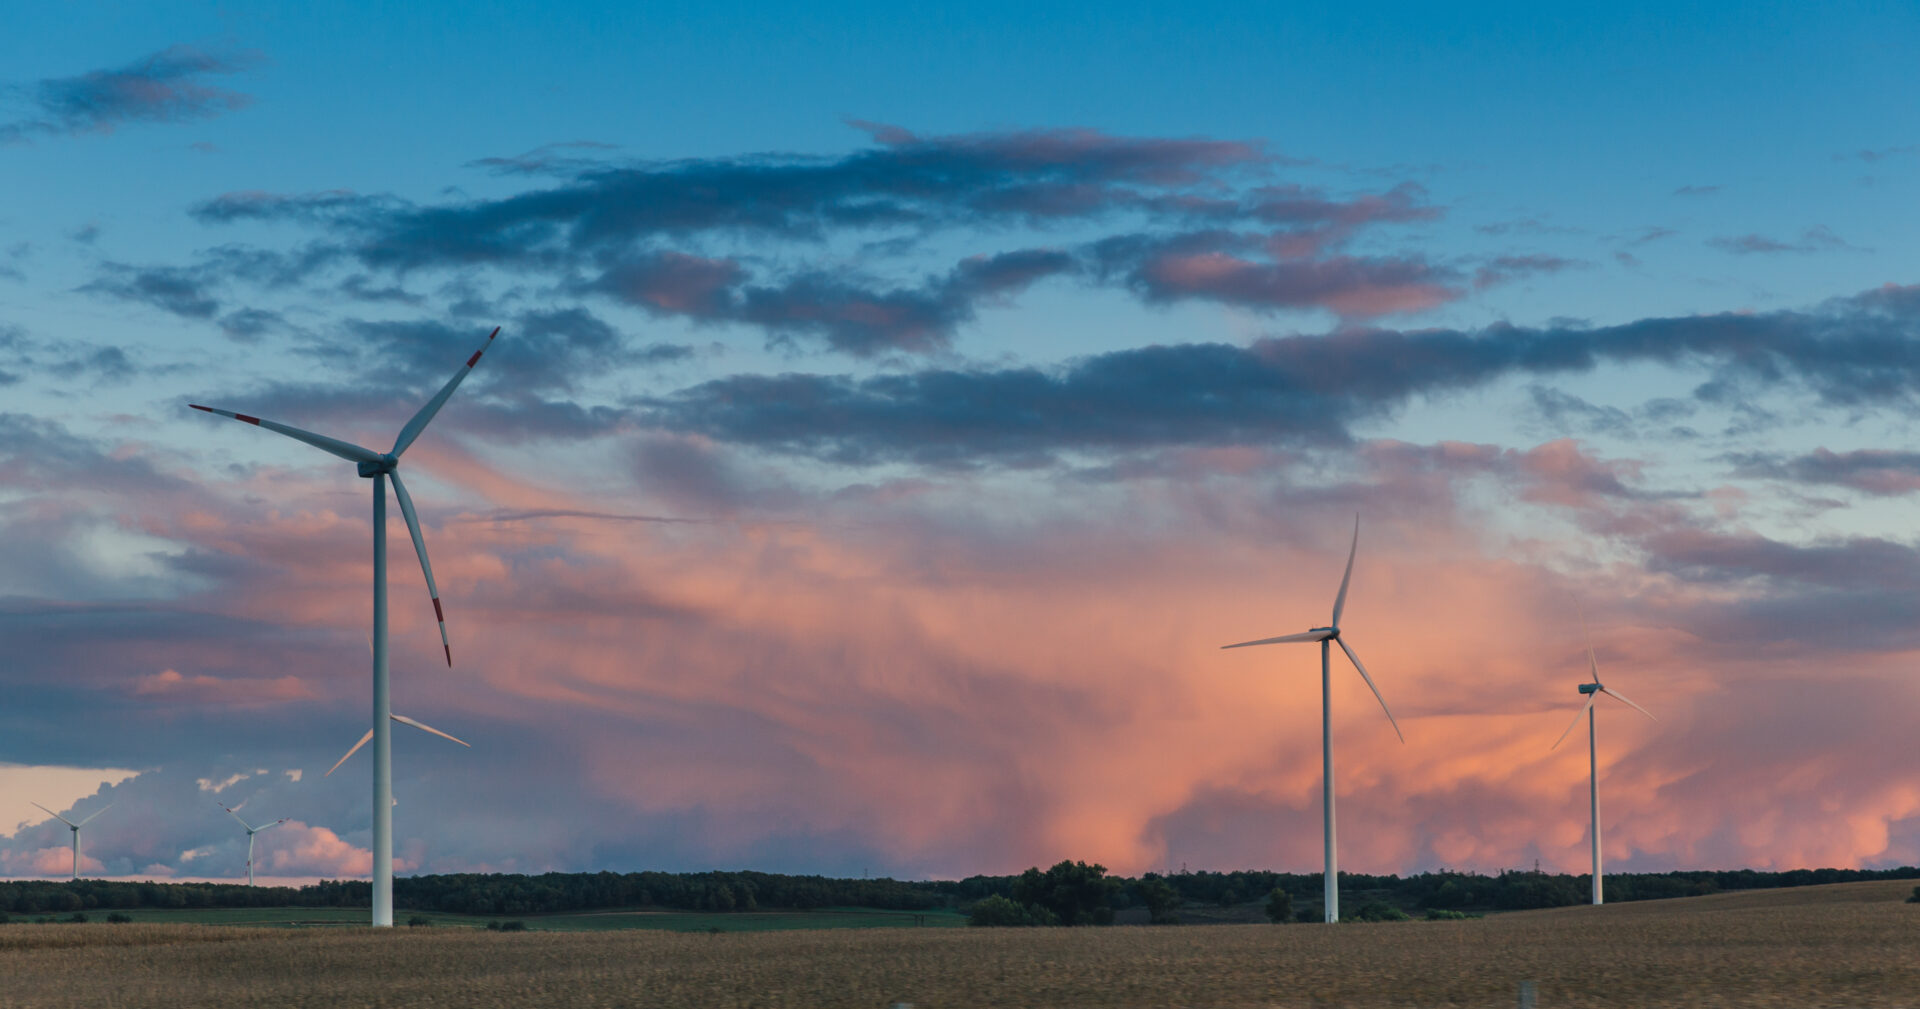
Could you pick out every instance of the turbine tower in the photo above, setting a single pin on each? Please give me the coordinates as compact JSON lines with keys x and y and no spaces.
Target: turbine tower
{"x":1593,"y":691}
{"x":379,"y":468}
{"x":251,"y":830}
{"x":75,"y":827}
{"x":1327,"y":637}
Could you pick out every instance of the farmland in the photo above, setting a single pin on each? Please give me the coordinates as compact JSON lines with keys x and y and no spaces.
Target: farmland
{"x":583,"y":921}
{"x":1853,"y":944}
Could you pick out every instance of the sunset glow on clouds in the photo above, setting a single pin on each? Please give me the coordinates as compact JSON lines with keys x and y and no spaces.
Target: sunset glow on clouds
{"x":876,"y":497}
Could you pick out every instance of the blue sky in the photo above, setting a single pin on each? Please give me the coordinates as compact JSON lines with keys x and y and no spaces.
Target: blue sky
{"x":943,"y":338}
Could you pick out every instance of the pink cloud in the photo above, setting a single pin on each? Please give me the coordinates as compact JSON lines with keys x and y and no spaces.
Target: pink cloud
{"x":298,"y":849}
{"x":56,"y":861}
{"x":1354,"y":287}
{"x":969,"y":692}
{"x":173,"y":685}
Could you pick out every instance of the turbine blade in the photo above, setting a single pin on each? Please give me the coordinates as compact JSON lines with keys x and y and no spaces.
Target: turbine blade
{"x":1285,"y":639}
{"x":109,"y":805}
{"x":420,"y":420}
{"x":404,"y":720}
{"x":1340,"y":601}
{"x":269,"y":826}
{"x":356,"y":749}
{"x":1593,"y":664}
{"x":1370,"y":686}
{"x":1622,"y":697}
{"x":243,"y":823}
{"x":334,"y":446}
{"x":1570,"y":725}
{"x":55,"y":815}
{"x":420,"y":547}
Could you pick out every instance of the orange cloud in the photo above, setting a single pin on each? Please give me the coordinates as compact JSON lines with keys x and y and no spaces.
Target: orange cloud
{"x":298,"y":849}
{"x":173,"y":685}
{"x":969,"y":690}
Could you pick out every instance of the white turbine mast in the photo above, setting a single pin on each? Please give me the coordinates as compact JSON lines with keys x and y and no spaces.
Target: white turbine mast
{"x":1593,"y":691}
{"x":379,"y":468}
{"x":75,"y":827}
{"x":251,"y":830}
{"x":1327,"y":637}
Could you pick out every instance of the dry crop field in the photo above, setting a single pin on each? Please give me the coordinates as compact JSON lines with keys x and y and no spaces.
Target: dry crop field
{"x":1855,"y":944}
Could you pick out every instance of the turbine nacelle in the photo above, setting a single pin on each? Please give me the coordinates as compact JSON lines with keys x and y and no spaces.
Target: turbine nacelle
{"x":374,"y":467}
{"x":1588,"y":688}
{"x":1326,"y":633}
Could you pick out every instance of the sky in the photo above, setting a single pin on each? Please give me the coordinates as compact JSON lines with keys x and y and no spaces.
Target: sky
{"x":894,"y":410}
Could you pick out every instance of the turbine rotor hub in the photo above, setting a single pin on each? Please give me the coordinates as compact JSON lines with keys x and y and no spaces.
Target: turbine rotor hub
{"x":385,"y":464}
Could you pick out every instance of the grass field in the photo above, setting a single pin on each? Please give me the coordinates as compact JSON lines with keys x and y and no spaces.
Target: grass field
{"x":593,"y":921}
{"x":1854,"y":944}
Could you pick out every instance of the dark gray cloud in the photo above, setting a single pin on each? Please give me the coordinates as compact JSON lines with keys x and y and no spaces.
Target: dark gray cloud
{"x":549,"y":159}
{"x":657,"y":234}
{"x":181,"y":291}
{"x":1285,"y":390}
{"x":38,"y":456}
{"x":248,"y":325}
{"x":68,"y":360}
{"x":912,"y":181}
{"x":1501,"y":269}
{"x":166,"y":87}
{"x":1871,"y":156}
{"x":1815,"y":239}
{"x":1564,"y":411}
{"x":1871,"y":471}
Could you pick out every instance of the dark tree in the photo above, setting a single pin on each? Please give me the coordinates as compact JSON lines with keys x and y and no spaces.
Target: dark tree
{"x":1076,"y":893}
{"x":1159,"y":897}
{"x":1279,"y":906}
{"x":999,"y":912}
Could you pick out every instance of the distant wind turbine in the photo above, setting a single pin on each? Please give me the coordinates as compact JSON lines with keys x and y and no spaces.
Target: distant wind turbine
{"x":75,"y":827}
{"x":1327,"y":637}
{"x":1593,"y":691}
{"x":379,"y":467}
{"x":403,"y":720}
{"x":251,"y":830}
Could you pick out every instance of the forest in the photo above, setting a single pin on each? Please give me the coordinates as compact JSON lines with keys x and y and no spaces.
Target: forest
{"x":513,"y":893}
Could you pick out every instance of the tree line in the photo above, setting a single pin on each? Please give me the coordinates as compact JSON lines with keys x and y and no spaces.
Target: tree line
{"x":1069,"y":893}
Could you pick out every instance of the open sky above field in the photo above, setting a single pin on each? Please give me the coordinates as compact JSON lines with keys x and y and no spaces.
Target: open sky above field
{"x":895,"y":410}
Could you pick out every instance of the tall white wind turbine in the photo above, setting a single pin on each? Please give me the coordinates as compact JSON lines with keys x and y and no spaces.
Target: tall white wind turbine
{"x":379,"y":468}
{"x":251,"y":830}
{"x":75,"y":827}
{"x":1593,"y":691}
{"x":1327,"y":637}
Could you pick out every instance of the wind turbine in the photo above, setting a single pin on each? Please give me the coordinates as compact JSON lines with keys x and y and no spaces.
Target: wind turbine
{"x":403,"y":720}
{"x":1593,"y":691}
{"x":1329,"y":636}
{"x":379,"y":467}
{"x":75,"y":827}
{"x":251,"y":830}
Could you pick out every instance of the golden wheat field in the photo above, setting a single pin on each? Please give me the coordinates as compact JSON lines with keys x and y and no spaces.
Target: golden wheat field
{"x":1854,"y":944}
